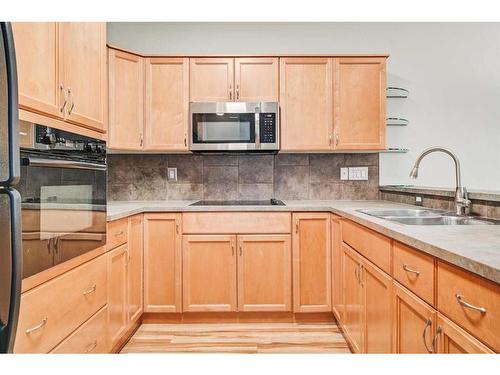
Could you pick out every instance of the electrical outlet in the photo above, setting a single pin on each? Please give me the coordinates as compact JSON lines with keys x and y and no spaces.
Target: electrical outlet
{"x":172,"y":174}
{"x":344,"y":173}
{"x":358,"y":173}
{"x":419,"y":201}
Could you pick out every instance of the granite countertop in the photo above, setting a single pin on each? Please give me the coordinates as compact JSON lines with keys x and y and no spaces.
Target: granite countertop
{"x":475,"y":248}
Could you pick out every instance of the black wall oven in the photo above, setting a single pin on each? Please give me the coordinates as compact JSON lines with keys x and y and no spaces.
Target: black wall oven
{"x":63,"y":192}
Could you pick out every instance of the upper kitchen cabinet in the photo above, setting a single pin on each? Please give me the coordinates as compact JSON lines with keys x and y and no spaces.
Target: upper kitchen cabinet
{"x":256,"y":79}
{"x":167,"y":102}
{"x":306,"y":103}
{"x":126,"y":101}
{"x":211,"y":79}
{"x":36,"y":46}
{"x":83,"y":72}
{"x":359,"y":103}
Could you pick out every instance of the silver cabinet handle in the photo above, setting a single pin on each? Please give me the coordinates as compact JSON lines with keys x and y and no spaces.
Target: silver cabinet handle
{"x":232,"y":248}
{"x":92,"y":289}
{"x":424,"y":335}
{"x":72,"y":97}
{"x":119,"y":233}
{"x":230,"y":92}
{"x":61,"y":87}
{"x":91,"y":346}
{"x":356,"y":272}
{"x":241,"y":249}
{"x":237,"y":92}
{"x":439,"y":330}
{"x":297,"y":226}
{"x":141,"y":140}
{"x":37,"y":327}
{"x":177,"y":228}
{"x":407,"y":269}
{"x":460,"y":300}
{"x":185,"y":140}
{"x":360,"y":273}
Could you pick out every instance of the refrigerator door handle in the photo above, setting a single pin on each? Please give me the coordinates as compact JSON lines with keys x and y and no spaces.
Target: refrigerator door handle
{"x":12,"y":115}
{"x":10,"y":266}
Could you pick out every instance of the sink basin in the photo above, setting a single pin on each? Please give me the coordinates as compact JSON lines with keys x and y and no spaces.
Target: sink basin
{"x":428,"y":217}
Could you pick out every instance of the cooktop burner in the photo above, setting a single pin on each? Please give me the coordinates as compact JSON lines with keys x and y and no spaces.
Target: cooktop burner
{"x":270,"y":202}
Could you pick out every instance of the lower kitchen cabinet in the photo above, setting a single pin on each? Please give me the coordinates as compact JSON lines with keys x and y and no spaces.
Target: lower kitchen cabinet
{"x":209,"y":273}
{"x":162,"y":262}
{"x":337,"y":286}
{"x":264,"y":273}
{"x":353,"y":298}
{"x":414,"y":323}
{"x":312,"y":262}
{"x":377,"y":299}
{"x":451,"y":339}
{"x":117,"y":293}
{"x":135,"y":268}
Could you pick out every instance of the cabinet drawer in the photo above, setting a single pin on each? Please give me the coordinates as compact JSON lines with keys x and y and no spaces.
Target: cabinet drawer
{"x":460,"y":295}
{"x":372,"y":245}
{"x":53,"y":310}
{"x":414,"y":270}
{"x":117,"y":233}
{"x":236,"y":222}
{"x":91,"y":337}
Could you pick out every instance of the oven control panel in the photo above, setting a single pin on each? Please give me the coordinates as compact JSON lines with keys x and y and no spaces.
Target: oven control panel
{"x":267,"y":127}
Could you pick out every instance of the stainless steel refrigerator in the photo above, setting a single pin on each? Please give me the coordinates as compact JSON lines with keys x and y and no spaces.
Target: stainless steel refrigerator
{"x":10,"y":200}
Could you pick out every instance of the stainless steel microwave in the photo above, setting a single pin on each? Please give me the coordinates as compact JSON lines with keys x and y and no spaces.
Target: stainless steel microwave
{"x":234,"y":126}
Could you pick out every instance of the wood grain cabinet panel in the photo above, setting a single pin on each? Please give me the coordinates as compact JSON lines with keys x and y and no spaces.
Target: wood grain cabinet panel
{"x":414,"y":323}
{"x":211,"y":79}
{"x":36,"y":46}
{"x":209,"y":273}
{"x":90,"y":338}
{"x":264,"y":273}
{"x":167,"y":104}
{"x":337,"y":287}
{"x":306,"y":103}
{"x":126,"y":101}
{"x":135,"y":268}
{"x":312,"y":262}
{"x":470,"y":301}
{"x":415,"y":270}
{"x":451,"y":339}
{"x":162,"y":262}
{"x":359,"y":103}
{"x":377,"y":300}
{"x":256,"y":79}
{"x":82,"y":58}
{"x":353,"y":298}
{"x":117,"y":293}
{"x":117,"y":233}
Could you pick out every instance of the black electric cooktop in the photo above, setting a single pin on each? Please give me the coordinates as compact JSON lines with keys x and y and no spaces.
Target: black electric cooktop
{"x":269,"y":202}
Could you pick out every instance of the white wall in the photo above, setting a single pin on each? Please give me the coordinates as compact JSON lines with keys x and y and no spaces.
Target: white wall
{"x":451,"y":69}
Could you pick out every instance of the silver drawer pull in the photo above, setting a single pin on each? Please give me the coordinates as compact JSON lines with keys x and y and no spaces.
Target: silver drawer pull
{"x":119,"y":233}
{"x":407,"y":269}
{"x":424,"y":335}
{"x":37,"y":327}
{"x":90,"y":290}
{"x":461,"y":301}
{"x":91,"y":347}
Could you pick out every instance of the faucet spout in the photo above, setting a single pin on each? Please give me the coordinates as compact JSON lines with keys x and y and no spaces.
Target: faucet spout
{"x":462,"y":202}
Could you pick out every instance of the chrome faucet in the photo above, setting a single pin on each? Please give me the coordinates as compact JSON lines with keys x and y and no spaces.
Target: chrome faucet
{"x":462,"y":202}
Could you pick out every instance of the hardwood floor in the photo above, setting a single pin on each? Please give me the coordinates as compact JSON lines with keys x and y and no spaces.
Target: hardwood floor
{"x":238,"y":338}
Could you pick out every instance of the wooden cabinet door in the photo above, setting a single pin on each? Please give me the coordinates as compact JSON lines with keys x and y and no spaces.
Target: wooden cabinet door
{"x":211,"y":79}
{"x":306,"y":103}
{"x":451,"y":339}
{"x":337,"y":288}
{"x":126,"y":101}
{"x":167,"y":104}
{"x":414,"y":322}
{"x":264,"y":273}
{"x":36,"y":46}
{"x":359,"y":100}
{"x":209,"y":273}
{"x":353,"y":298}
{"x":83,"y":69}
{"x":162,"y":262}
{"x":256,"y":79}
{"x":377,"y":301}
{"x":135,"y":268}
{"x":312,"y":262}
{"x":117,"y":293}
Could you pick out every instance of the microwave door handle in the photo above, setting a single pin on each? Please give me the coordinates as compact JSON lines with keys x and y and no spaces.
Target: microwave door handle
{"x":257,"y":131}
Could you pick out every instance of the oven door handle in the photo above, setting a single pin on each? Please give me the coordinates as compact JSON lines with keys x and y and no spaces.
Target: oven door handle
{"x":57,"y":163}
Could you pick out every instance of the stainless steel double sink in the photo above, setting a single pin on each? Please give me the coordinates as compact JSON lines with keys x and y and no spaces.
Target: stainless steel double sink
{"x":428,"y":217}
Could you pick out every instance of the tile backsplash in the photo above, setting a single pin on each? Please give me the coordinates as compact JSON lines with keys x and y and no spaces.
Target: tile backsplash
{"x":224,"y":177}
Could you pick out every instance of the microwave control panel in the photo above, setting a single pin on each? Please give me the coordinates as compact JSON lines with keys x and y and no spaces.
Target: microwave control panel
{"x":267,"y":128}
